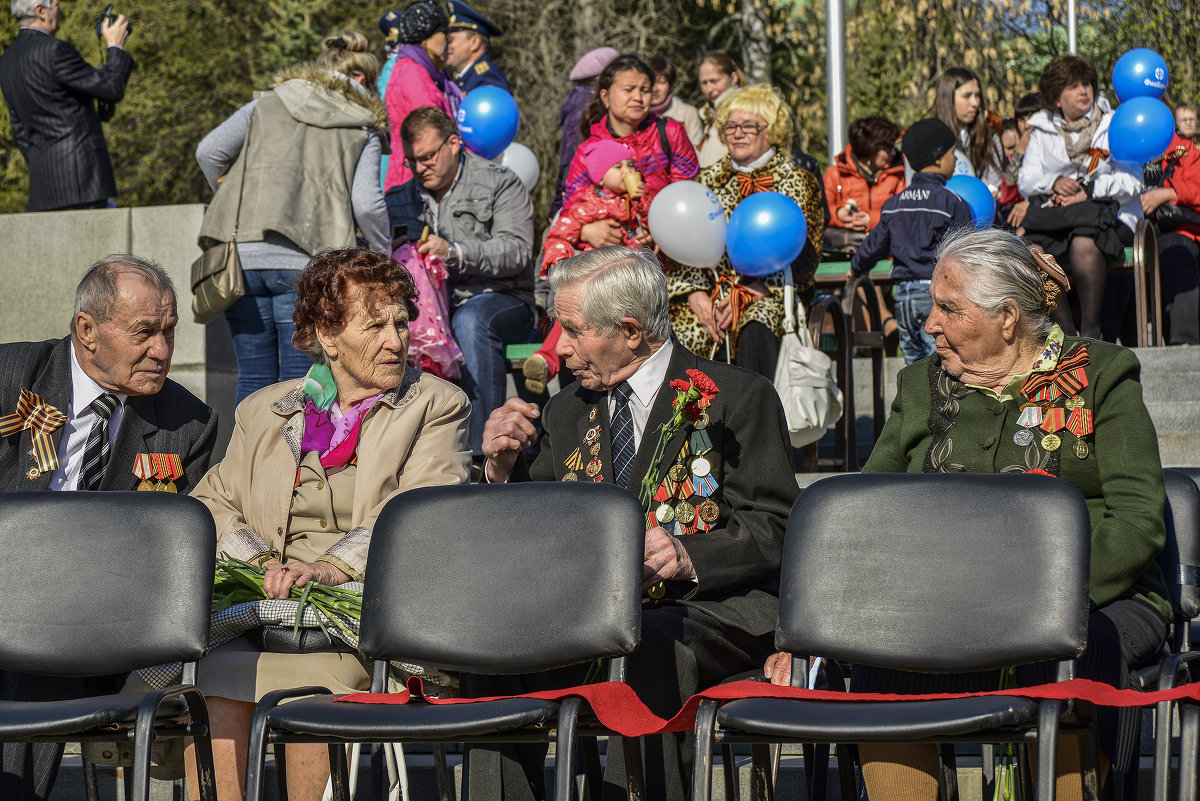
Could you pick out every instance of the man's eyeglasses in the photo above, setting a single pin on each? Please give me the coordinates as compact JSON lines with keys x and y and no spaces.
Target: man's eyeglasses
{"x":429,"y":158}
{"x":748,"y":128}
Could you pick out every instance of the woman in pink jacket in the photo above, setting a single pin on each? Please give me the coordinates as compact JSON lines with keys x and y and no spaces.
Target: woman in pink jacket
{"x":417,"y":80}
{"x":620,"y":112}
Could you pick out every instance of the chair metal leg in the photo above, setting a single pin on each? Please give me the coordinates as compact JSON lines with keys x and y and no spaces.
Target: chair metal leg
{"x":1048,"y":713}
{"x":847,"y":760}
{"x":281,"y":787}
{"x":128,"y":783}
{"x":729,"y":772}
{"x":91,"y":789}
{"x":445,"y":781}
{"x":818,"y":773}
{"x":1189,"y":744}
{"x":706,"y":721}
{"x":592,"y":767}
{"x":948,"y":784}
{"x":256,"y":756}
{"x":338,"y":772}
{"x":762,"y":785}
{"x":564,"y":750}
{"x":378,"y":771}
{"x":1162,"y":751}
{"x":987,"y":765}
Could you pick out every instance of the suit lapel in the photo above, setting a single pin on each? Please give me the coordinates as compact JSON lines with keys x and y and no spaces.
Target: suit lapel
{"x":138,"y":423}
{"x":53,"y":386}
{"x":660,"y":413}
{"x":590,"y":401}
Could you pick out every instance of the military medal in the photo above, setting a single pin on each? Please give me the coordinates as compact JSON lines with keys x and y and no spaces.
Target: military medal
{"x":141,"y":469}
{"x":677,"y":473}
{"x":1054,"y":420}
{"x":708,"y":511}
{"x":1074,"y":402}
{"x":574,"y":462}
{"x":704,"y":485}
{"x":657,"y":591}
{"x":665,"y":513}
{"x":700,"y":442}
{"x":595,"y":449}
{"x":592,"y":435}
{"x":32,"y":473}
{"x":1081,"y":449}
{"x":1050,"y":442}
{"x":685,"y":513}
{"x":571,"y":477}
{"x":1023,"y":437}
{"x":593,"y":468}
{"x":701,"y":423}
{"x":592,"y":415}
{"x":1080,"y":422}
{"x":701,"y":467}
{"x":1031,"y":415}
{"x":174,"y":470}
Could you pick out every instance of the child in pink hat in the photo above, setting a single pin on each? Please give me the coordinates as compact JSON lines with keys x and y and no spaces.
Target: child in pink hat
{"x":617,"y":193}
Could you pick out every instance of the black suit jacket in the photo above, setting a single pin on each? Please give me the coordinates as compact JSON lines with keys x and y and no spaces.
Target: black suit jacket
{"x":172,"y":421}
{"x":737,"y":562}
{"x":50,"y":92}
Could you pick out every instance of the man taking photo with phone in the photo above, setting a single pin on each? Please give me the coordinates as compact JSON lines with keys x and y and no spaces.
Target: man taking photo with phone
{"x":51,"y":94}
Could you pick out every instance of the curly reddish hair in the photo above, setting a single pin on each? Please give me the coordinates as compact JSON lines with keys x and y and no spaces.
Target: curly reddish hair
{"x":324,"y":287}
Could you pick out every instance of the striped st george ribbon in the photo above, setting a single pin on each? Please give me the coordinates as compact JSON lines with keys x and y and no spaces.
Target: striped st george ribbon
{"x":42,"y":420}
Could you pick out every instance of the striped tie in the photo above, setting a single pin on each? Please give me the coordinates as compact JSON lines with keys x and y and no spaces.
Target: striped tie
{"x":622,"y":434}
{"x":95,"y":452}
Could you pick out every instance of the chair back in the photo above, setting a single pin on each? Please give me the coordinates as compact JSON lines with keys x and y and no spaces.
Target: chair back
{"x":1180,"y":556}
{"x":936,"y":573}
{"x":508,"y":578}
{"x":104,"y":582}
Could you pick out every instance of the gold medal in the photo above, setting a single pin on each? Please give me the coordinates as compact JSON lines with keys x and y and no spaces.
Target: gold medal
{"x":170,"y":487}
{"x":702,"y":423}
{"x":32,"y":473}
{"x":685,"y":513}
{"x":1081,"y":449}
{"x":701,"y":467}
{"x":677,"y":473}
{"x":708,"y":511}
{"x":593,"y":468}
{"x":145,"y":486}
{"x":574,"y":461}
{"x":1074,"y":402}
{"x":1051,"y":442}
{"x":664,"y":513}
{"x":572,"y":476}
{"x":657,"y":591}
{"x":592,"y":415}
{"x":592,"y":434}
{"x":594,"y":450}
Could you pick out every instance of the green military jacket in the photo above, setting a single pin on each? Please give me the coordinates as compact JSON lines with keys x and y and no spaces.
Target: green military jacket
{"x":940,"y":424}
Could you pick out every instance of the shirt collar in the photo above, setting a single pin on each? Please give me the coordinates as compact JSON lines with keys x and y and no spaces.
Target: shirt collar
{"x":84,"y":390}
{"x":754,"y":165}
{"x":648,"y":378}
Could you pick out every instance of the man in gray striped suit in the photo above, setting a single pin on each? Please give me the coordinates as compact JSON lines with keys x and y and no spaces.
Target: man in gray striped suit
{"x":52,"y":96}
{"x":95,"y":411}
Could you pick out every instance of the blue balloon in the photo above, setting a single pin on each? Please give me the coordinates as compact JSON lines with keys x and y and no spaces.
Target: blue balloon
{"x":1140,"y":73}
{"x":488,"y":121}
{"x":1141,"y":130}
{"x":978,"y":197}
{"x":766,"y":233}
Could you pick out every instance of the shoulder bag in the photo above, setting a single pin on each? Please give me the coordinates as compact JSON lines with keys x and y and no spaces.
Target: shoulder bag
{"x":804,"y":378}
{"x":217,"y":277}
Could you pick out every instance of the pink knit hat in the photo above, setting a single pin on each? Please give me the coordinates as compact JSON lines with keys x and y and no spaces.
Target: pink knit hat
{"x":602,"y":155}
{"x":592,"y":63}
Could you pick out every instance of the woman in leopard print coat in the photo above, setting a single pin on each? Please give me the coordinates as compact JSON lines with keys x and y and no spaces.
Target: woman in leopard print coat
{"x":709,"y":307}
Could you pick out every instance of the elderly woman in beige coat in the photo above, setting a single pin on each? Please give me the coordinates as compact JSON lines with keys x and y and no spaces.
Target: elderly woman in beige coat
{"x":308,"y":470}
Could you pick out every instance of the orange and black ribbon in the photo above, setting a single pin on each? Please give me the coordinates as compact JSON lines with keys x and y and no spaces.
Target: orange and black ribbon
{"x":749,"y":184}
{"x":42,"y":420}
{"x":740,"y":296}
{"x":1068,"y":378}
{"x":1097,"y":154}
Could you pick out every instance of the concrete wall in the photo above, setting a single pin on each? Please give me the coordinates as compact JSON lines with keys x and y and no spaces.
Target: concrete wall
{"x":43,"y":256}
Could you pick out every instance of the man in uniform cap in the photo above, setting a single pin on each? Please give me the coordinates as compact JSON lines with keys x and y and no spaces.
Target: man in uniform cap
{"x":466,"y":49}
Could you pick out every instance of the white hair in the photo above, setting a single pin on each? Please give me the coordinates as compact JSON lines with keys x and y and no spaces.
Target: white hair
{"x":621,"y":282}
{"x":26,"y":9}
{"x":1001,"y":270}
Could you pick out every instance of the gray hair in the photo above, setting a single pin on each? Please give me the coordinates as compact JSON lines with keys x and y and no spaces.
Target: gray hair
{"x":26,"y":9}
{"x":622,"y":282}
{"x":1002,"y":270}
{"x":97,"y":291}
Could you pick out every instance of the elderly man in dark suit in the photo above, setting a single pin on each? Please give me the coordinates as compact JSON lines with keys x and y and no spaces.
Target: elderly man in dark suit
{"x":96,"y":411}
{"x":720,"y":496}
{"x":51,"y":94}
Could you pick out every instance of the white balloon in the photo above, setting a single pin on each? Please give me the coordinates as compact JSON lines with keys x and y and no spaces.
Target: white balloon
{"x":521,"y":160}
{"x":688,"y":223}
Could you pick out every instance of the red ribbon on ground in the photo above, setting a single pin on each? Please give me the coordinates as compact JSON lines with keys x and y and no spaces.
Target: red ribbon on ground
{"x":619,"y":709}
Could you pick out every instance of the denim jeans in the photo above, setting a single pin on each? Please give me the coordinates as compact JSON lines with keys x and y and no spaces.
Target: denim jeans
{"x":262,"y":327}
{"x":913,"y":306}
{"x":483,"y":326}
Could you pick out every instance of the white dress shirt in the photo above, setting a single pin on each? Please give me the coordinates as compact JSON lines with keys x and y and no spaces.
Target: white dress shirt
{"x":646,"y":381}
{"x":80,"y":419}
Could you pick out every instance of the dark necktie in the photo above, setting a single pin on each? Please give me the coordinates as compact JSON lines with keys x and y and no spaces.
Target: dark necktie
{"x":95,"y":452}
{"x":622,"y":434}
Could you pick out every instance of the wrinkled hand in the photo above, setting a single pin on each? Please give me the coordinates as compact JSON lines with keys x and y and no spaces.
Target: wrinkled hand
{"x":434,"y":245}
{"x":508,"y":431}
{"x":601,"y":233}
{"x":114,"y":32}
{"x":1153,"y":198}
{"x":723,"y":312}
{"x":1016,"y":216}
{"x":1066,"y":187}
{"x":280,"y":578}
{"x":702,"y":305}
{"x":778,"y":669}
{"x":666,"y":559}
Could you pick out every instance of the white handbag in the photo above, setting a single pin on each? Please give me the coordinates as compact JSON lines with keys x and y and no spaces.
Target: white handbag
{"x":804,"y":378}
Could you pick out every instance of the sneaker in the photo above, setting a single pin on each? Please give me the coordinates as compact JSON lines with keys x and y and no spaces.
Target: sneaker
{"x":537,"y":373}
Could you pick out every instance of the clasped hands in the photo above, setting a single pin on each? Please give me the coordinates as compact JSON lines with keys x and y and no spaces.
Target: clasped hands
{"x":717,"y":316}
{"x":280,"y":578}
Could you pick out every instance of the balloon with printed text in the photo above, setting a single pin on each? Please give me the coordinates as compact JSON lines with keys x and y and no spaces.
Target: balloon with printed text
{"x":688,"y":224}
{"x":1140,"y":73}
{"x":488,"y":121}
{"x":978,"y":197}
{"x":766,"y":233}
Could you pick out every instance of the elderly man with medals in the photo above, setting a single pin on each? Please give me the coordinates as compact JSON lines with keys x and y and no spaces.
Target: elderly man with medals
{"x":705,"y":447}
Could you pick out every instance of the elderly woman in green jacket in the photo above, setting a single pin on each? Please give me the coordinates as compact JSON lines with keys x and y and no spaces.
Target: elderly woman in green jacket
{"x":1007,"y":392}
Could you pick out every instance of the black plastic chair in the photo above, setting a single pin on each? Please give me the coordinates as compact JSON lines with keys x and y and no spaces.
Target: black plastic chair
{"x":105,"y":583}
{"x":929,"y":573}
{"x":481,"y":579}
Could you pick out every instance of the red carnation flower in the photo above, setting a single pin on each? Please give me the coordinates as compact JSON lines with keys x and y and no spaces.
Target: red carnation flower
{"x":706,"y":386}
{"x":679,"y":385}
